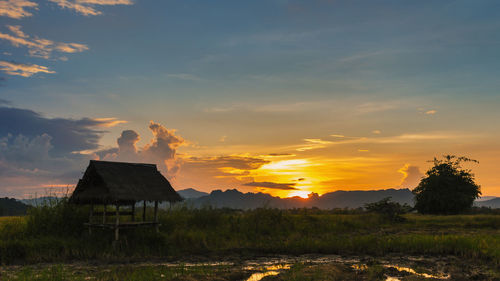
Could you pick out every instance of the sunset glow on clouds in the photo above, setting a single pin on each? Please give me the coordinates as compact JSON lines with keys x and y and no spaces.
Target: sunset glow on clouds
{"x":283,"y":97}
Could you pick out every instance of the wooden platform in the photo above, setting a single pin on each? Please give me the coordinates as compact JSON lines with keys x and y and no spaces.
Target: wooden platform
{"x":121,"y":225}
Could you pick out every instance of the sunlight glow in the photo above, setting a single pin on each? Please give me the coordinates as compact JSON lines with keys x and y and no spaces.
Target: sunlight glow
{"x":300,"y":193}
{"x":286,"y":165}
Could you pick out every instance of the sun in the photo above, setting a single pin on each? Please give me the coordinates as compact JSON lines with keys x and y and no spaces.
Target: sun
{"x":300,"y":193}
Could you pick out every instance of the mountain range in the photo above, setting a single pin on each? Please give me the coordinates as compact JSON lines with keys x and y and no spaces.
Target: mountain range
{"x":233,"y":198}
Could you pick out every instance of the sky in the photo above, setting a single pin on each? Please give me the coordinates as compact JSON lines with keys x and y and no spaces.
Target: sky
{"x":278,"y":96}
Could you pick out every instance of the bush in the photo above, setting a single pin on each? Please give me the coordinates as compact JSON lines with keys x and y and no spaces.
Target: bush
{"x":388,"y":209}
{"x":58,"y":218}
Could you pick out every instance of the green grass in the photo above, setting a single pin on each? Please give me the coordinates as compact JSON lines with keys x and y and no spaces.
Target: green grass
{"x":56,"y":234}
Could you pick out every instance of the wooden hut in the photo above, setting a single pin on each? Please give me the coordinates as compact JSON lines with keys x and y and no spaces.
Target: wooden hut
{"x":122,"y":184}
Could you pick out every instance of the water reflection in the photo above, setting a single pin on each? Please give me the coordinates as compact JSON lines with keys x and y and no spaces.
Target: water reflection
{"x":269,"y":271}
{"x":412,"y":271}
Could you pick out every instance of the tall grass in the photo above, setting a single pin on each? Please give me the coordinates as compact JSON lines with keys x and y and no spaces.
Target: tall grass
{"x":55,"y":232}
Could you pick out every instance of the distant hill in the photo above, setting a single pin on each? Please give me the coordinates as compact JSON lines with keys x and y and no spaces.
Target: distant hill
{"x":485,"y":198}
{"x":492,"y":203}
{"x":190,"y":193}
{"x":40,"y":201}
{"x":339,"y":199}
{"x":12,"y":207}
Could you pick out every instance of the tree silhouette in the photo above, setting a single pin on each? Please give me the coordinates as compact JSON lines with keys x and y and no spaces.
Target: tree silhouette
{"x":446,"y":188}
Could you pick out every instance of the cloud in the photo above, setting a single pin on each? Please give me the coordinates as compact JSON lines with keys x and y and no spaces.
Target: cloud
{"x":28,"y":166}
{"x":431,"y":112}
{"x":127,"y":141}
{"x":4,"y":102}
{"x":411,"y":176}
{"x":109,"y":122}
{"x":36,"y":151}
{"x":372,"y":107}
{"x":234,"y":162}
{"x":209,"y":172}
{"x":39,"y":47}
{"x":16,"y":8}
{"x":67,"y":135}
{"x":161,"y":149}
{"x":280,"y":154}
{"x":377,"y":132}
{"x":184,"y":76}
{"x":272,"y":185}
{"x":24,"y":70}
{"x":314,"y":144}
{"x":88,"y":7}
{"x":397,"y":139}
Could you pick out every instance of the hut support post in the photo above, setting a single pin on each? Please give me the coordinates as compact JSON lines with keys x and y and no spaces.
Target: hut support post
{"x":144,"y":211}
{"x":117,"y":223}
{"x":90,"y":217}
{"x":156,"y":217}
{"x":104,"y":214}
{"x":133,"y":212}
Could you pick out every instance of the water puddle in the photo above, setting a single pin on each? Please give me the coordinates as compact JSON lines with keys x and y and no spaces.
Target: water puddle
{"x":402,"y":269}
{"x":394,"y":268}
{"x":268,"y":271}
{"x":412,"y":271}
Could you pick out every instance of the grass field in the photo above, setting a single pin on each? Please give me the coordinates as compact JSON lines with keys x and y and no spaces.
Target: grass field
{"x":56,"y":234}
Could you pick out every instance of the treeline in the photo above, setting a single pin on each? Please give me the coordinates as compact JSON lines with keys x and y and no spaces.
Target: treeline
{"x":12,"y":207}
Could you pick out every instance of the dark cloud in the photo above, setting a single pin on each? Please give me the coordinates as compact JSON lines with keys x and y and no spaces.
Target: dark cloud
{"x":230,"y":161}
{"x":4,"y":101}
{"x":272,"y":185}
{"x":280,"y":154}
{"x":67,"y":135}
{"x":36,"y":151}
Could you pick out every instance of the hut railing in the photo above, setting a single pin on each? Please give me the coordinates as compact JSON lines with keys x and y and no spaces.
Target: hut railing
{"x":117,"y":223}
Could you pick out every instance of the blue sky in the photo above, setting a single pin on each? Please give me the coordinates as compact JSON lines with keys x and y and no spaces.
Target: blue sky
{"x":401,"y":81}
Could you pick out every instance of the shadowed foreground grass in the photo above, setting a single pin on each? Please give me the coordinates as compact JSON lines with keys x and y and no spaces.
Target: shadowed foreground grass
{"x":127,"y":273}
{"x":56,"y":234}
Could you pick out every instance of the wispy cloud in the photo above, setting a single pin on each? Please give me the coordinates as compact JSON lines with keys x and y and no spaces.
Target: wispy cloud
{"x":16,"y":8}
{"x":371,"y":107}
{"x":184,"y":76}
{"x":88,"y":7}
{"x":108,"y":122}
{"x":39,"y":47}
{"x":272,"y":185}
{"x":311,"y":143}
{"x":314,"y":144}
{"x":24,"y":70}
{"x":431,"y":112}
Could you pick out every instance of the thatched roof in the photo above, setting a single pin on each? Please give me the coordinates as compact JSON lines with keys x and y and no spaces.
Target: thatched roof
{"x":123,"y":183}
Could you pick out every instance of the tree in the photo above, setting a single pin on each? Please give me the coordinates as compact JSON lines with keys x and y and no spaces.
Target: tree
{"x":446,"y":188}
{"x":389,"y":209}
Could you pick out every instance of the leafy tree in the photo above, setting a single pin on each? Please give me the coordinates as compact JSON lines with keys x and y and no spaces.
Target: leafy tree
{"x":446,"y":188}
{"x":389,"y":209}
